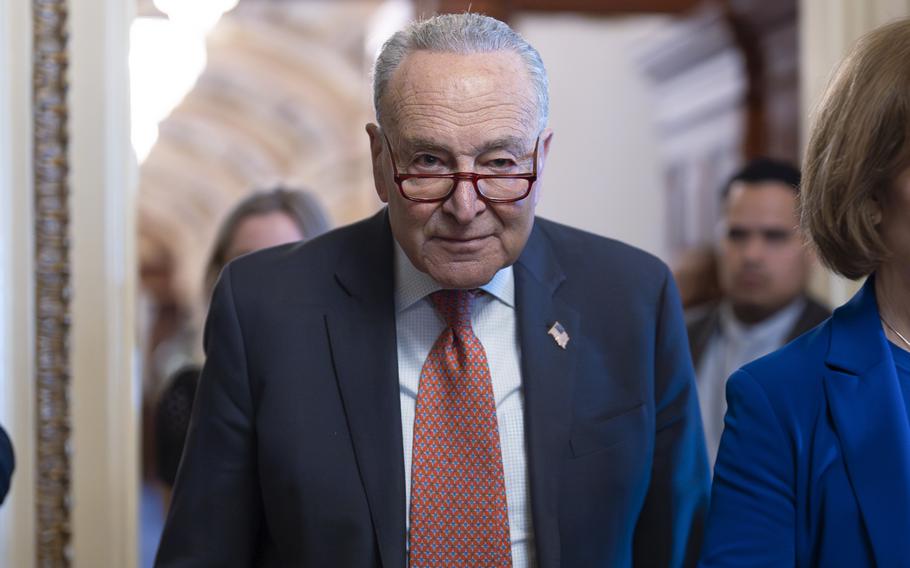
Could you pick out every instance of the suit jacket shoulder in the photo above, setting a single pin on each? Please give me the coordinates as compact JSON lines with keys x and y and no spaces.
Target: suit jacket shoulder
{"x":792,"y":371}
{"x":310,"y":267}
{"x":813,"y":314}
{"x":814,"y":461}
{"x":791,"y":377}
{"x":702,"y":321}
{"x":604,"y":263}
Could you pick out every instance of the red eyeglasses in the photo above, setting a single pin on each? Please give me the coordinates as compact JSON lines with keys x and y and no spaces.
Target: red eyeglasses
{"x":493,"y":188}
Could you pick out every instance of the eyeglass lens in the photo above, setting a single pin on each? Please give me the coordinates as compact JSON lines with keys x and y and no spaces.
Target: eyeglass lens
{"x":494,"y":188}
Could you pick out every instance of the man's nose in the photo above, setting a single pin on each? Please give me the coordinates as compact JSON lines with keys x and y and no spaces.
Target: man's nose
{"x":754,"y":247}
{"x":464,"y":204}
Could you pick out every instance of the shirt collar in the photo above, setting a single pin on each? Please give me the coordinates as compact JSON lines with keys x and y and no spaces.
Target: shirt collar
{"x":412,"y":285}
{"x":778,"y":324}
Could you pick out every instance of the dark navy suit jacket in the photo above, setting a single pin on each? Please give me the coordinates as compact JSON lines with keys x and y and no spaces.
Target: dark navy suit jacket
{"x":814,"y":462}
{"x":7,"y":464}
{"x":294,"y":454}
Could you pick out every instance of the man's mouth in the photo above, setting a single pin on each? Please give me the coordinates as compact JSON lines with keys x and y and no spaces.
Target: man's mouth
{"x":461,"y":239}
{"x":751,"y":279}
{"x":461,"y":244}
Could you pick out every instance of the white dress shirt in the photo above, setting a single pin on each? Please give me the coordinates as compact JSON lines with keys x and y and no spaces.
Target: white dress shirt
{"x":494,"y":321}
{"x":731,"y":346}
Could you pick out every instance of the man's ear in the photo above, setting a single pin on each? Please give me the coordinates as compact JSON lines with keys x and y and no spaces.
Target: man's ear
{"x":543,"y":150}
{"x":377,"y":149}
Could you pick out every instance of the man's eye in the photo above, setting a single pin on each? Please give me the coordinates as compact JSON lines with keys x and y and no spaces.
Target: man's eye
{"x":500,"y":165}
{"x":777,"y":236}
{"x":426,"y":161}
{"x":737,"y":235}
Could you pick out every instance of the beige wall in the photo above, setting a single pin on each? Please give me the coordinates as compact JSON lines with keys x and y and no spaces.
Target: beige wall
{"x":604,"y":173}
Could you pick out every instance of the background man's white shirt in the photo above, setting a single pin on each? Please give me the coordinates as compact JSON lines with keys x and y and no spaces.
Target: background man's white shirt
{"x":731,"y":346}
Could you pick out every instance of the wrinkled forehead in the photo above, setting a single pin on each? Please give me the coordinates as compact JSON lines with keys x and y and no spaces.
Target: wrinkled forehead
{"x":432,"y":91}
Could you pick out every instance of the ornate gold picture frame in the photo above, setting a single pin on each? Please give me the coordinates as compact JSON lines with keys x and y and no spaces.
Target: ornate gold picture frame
{"x":52,"y":281}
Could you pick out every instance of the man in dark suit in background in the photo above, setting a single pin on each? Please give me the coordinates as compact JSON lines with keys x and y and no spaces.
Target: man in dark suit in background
{"x":451,"y":382}
{"x":763,"y":269}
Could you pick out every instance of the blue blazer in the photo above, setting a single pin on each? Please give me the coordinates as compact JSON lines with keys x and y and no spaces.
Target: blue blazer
{"x":814,"y":462}
{"x":294,"y":454}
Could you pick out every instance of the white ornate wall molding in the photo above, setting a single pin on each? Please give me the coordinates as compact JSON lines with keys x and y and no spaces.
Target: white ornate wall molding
{"x":105,"y":400}
{"x":17,"y":321}
{"x":283,"y":99}
{"x":700,"y":85}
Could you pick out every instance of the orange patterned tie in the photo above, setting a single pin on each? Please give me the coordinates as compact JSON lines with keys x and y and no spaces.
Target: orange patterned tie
{"x":459,"y":516}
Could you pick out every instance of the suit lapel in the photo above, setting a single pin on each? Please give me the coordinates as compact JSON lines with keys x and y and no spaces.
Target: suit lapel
{"x":870,"y":420}
{"x":364,"y":350}
{"x":548,"y":375}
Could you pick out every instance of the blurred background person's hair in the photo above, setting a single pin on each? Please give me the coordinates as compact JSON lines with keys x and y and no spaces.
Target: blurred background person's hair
{"x":263,"y":219}
{"x":859,"y":146}
{"x":761,"y":170}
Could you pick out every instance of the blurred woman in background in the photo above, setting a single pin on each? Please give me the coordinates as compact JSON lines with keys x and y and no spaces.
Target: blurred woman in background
{"x":814,"y":462}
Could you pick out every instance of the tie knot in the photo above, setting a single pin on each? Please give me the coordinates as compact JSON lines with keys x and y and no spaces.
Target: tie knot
{"x":455,"y":306}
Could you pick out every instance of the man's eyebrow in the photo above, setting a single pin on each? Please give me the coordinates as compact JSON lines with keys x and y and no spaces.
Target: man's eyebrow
{"x":411,"y":144}
{"x":514,"y":144}
{"x":747,"y":228}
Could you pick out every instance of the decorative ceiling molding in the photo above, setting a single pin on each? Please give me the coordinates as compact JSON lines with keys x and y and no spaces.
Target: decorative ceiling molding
{"x":283,"y":99}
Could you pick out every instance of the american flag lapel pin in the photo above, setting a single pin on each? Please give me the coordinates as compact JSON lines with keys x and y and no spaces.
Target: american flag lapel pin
{"x":559,"y":335}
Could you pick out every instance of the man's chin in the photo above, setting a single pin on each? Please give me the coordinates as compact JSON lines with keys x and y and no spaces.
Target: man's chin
{"x":752,"y":312}
{"x":462,"y":276}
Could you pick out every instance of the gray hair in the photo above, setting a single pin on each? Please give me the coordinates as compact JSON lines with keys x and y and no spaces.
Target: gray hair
{"x":459,"y":33}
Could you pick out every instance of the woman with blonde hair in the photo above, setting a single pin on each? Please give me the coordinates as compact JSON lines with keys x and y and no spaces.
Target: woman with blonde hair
{"x":814,"y":462}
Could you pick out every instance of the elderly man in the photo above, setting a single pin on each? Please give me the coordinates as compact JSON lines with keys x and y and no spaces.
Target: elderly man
{"x":451,"y":383}
{"x":763,"y":268}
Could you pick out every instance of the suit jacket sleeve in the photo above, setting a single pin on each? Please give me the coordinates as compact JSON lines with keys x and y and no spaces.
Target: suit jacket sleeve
{"x":7,"y":464}
{"x":752,"y":518}
{"x":215,"y":510}
{"x":670,"y":528}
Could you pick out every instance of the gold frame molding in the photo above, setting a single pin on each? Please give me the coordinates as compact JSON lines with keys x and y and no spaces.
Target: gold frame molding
{"x":52,"y":282}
